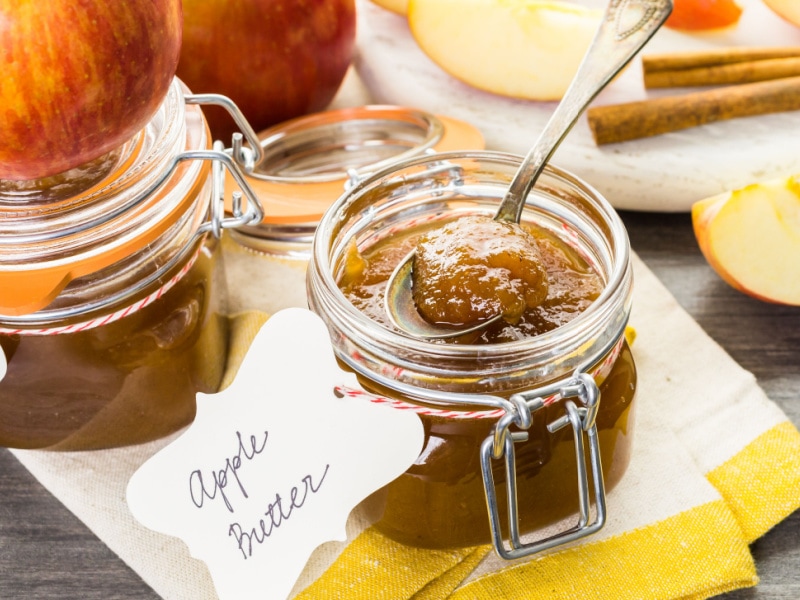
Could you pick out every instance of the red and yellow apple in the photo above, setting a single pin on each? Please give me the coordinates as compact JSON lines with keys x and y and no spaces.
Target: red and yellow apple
{"x":751,"y":238}
{"x":77,"y":79}
{"x":520,"y":48}
{"x":701,"y":15}
{"x":787,"y":9}
{"x":276,"y":59}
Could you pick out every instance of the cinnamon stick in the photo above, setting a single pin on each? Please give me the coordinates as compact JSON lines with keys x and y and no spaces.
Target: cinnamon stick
{"x":622,"y":122}
{"x":743,"y":72}
{"x":676,"y":61}
{"x":720,"y":66}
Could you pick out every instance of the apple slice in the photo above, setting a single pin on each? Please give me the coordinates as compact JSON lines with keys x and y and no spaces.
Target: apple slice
{"x":527,"y":49}
{"x":787,"y":9}
{"x":396,"y":6}
{"x":751,"y":238}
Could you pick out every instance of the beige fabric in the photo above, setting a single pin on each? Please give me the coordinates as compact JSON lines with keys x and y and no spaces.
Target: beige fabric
{"x":671,"y":452}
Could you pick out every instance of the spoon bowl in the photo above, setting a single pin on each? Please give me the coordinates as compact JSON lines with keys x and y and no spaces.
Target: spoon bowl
{"x":625,"y":28}
{"x":404,"y":313}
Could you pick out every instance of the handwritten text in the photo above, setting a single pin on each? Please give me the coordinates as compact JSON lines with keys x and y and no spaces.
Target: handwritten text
{"x":277,"y":513}
{"x":215,"y":482}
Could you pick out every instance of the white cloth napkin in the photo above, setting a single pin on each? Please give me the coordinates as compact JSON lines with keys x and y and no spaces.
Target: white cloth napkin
{"x":695,"y":418}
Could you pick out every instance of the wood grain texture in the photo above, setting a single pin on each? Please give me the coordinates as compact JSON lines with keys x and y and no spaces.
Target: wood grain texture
{"x":47,"y":554}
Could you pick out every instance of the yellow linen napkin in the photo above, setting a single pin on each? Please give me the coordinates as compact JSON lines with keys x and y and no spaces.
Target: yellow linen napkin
{"x":715,"y":464}
{"x":740,"y":440}
{"x":672,"y":533}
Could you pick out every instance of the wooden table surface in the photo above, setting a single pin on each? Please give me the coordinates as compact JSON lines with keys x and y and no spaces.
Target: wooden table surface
{"x":46,"y":553}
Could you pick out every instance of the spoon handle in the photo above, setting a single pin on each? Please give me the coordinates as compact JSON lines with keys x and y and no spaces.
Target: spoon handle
{"x":626,"y":27}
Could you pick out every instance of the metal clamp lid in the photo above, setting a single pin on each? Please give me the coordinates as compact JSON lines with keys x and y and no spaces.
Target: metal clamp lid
{"x":501,"y":444}
{"x":581,"y":417}
{"x":239,"y":159}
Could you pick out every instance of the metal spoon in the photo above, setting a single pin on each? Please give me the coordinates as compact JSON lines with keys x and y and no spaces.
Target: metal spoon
{"x":626,"y":27}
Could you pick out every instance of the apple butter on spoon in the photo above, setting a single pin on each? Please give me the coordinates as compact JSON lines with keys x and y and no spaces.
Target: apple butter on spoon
{"x":475,"y":268}
{"x":452,"y":283}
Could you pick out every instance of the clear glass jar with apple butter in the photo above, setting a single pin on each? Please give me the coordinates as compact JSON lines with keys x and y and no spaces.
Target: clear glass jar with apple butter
{"x":527,"y":423}
{"x":111,"y":312}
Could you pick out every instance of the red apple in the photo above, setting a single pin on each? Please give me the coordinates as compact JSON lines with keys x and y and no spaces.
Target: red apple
{"x":79,"y":77}
{"x":276,"y":59}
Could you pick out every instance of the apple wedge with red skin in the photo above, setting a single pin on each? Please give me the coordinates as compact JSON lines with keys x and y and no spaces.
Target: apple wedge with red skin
{"x":751,"y":238}
{"x":78,"y":78}
{"x":276,"y":59}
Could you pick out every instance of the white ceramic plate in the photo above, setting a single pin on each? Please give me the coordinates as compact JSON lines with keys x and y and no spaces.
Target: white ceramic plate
{"x":664,"y":173}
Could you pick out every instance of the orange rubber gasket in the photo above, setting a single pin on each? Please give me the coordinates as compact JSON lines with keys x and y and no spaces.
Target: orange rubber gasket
{"x":31,"y":288}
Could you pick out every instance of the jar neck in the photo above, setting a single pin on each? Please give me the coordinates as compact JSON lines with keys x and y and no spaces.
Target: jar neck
{"x":68,"y":256}
{"x":69,"y":216}
{"x":470,"y":183}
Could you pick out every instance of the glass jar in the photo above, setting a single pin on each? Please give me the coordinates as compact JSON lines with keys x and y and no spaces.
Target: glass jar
{"x":507,"y":424}
{"x":111,"y":319}
{"x":308,"y":162}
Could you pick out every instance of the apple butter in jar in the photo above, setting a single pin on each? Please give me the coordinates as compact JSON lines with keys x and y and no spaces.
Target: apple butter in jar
{"x":528,"y":420}
{"x":308,"y":162}
{"x":111,"y":308}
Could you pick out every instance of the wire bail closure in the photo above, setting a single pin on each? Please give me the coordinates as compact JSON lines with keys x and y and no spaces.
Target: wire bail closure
{"x":221,"y":162}
{"x":501,"y":445}
{"x":237,"y":160}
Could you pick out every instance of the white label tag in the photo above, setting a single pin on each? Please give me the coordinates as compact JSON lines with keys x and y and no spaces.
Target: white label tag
{"x":273,"y":465}
{"x":3,"y":363}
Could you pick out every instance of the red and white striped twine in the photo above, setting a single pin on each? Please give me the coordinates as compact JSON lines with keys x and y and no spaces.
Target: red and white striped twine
{"x":599,"y":373}
{"x":116,"y":316}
